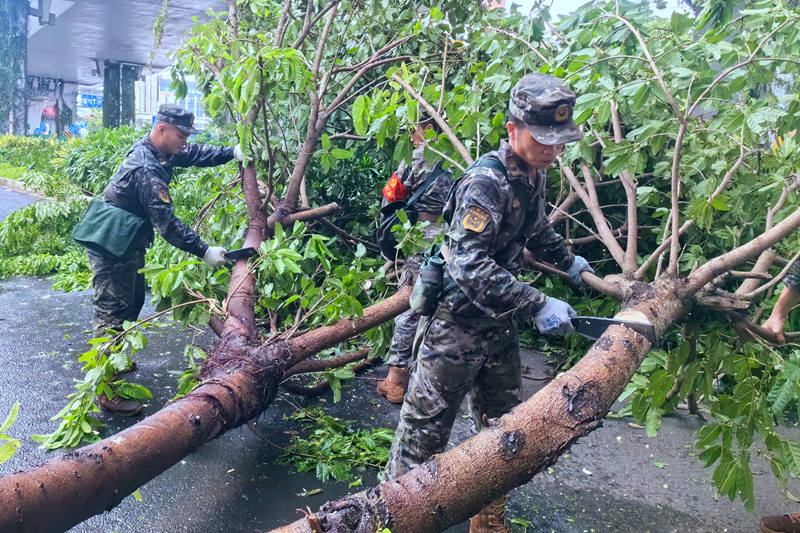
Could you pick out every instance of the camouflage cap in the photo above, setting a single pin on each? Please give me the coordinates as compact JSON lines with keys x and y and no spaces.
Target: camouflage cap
{"x":178,"y":117}
{"x":544,"y":104}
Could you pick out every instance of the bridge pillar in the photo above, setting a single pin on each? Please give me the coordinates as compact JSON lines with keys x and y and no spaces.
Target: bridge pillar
{"x":119,"y":101}
{"x":13,"y":63}
{"x":111,"y":94}
{"x":128,"y":76}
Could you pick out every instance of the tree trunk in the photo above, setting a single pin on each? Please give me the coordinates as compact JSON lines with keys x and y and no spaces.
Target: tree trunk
{"x":455,"y":485}
{"x":240,"y":380}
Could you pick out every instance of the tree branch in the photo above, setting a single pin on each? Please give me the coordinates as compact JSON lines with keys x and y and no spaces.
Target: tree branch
{"x":672,"y":103}
{"x":457,"y":144}
{"x":774,"y":281}
{"x":631,"y":248}
{"x":318,"y":365}
{"x":768,"y":256}
{"x":727,"y":261}
{"x":589,"y":198}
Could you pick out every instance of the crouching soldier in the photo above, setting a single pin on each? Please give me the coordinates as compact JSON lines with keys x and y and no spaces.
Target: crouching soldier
{"x":140,"y":188}
{"x":403,"y":184}
{"x":470,"y":347}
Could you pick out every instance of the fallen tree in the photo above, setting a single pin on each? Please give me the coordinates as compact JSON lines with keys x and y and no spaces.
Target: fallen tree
{"x":636,"y":132}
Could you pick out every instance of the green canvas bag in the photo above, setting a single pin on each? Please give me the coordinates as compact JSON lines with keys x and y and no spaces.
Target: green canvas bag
{"x":107,"y":229}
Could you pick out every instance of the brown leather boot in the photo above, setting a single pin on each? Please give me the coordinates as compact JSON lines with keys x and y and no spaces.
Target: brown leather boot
{"x":393,"y":387}
{"x":788,"y":523}
{"x":119,"y":406}
{"x":491,"y":519}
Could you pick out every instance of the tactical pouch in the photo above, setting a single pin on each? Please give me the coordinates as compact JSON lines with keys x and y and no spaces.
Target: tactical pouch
{"x":107,"y":229}
{"x":428,"y":286}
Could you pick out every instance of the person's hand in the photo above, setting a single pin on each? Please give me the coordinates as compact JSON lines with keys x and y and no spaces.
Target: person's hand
{"x":775,"y":325}
{"x":237,"y":153}
{"x":579,"y":265}
{"x":554,"y":317}
{"x":215,"y":256}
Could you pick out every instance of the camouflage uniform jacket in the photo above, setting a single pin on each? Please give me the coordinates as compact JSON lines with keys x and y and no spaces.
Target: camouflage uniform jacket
{"x":414,"y":176}
{"x":486,"y":237}
{"x":792,"y":279}
{"x":432,"y":201}
{"x":141,"y":186}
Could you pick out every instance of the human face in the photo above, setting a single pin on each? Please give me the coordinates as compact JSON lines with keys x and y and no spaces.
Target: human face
{"x":418,"y":137}
{"x":169,"y":139}
{"x":535,"y":154}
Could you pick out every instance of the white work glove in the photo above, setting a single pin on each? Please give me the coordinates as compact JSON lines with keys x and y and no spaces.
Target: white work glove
{"x":237,"y":153}
{"x":554,"y":317}
{"x":579,"y":265}
{"x":215,"y":256}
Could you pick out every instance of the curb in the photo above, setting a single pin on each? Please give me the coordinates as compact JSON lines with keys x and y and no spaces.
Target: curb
{"x":20,"y":187}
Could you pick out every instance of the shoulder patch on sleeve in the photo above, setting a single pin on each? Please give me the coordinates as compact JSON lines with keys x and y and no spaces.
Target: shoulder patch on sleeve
{"x":164,"y":195}
{"x":476,"y":219}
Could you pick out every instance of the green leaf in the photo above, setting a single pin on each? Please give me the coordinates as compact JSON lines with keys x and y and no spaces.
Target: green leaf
{"x":653,"y":422}
{"x":361,"y":115}
{"x":132,"y":391}
{"x":8,"y":450}
{"x":710,"y":455}
{"x":744,"y":482}
{"x":326,"y":141}
{"x":11,"y":418}
{"x":341,"y":153}
{"x":137,"y":494}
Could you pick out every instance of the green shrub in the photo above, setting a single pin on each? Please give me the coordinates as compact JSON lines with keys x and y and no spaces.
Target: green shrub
{"x":91,"y":161}
{"x":26,"y":151}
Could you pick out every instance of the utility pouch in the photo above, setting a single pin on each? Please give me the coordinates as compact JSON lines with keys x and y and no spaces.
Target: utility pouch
{"x":428,"y":285}
{"x":107,"y":229}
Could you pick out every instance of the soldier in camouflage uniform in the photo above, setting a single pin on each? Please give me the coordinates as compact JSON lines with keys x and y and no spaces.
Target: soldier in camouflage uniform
{"x":429,"y":207}
{"x":470,"y":346}
{"x":141,"y":186}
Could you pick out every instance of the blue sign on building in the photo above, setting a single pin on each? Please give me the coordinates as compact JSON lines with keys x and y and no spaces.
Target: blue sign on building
{"x":91,"y":101}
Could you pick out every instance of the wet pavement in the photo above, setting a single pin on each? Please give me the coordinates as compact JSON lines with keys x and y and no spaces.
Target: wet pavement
{"x":614,"y":480}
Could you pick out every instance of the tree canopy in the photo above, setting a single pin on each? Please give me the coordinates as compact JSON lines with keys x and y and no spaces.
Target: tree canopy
{"x":676,"y":194}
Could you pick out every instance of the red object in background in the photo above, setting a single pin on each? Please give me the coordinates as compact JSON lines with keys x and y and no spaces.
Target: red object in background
{"x":394,"y":190}
{"x":49,"y":113}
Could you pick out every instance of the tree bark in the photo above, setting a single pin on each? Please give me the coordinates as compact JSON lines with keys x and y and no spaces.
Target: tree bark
{"x":454,"y":485}
{"x":240,"y":380}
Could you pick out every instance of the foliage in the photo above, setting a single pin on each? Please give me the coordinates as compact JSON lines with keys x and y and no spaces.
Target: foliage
{"x":36,"y":240}
{"x":25,"y":152}
{"x":712,"y":86}
{"x":189,"y":378}
{"x":726,"y":76}
{"x":103,"y":362}
{"x":333,"y":448}
{"x":10,"y":446}
{"x":90,"y":162}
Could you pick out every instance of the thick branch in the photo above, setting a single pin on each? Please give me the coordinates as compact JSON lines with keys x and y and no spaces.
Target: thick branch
{"x":739,"y":255}
{"x":767,"y":257}
{"x":777,"y":279}
{"x":318,"y":365}
{"x":631,"y":249}
{"x":241,"y":320}
{"x":600,"y":222}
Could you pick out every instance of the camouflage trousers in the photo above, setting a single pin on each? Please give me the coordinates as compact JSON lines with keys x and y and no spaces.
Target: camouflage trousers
{"x":405,"y":325}
{"x":118,"y":290}
{"x":481,"y":362}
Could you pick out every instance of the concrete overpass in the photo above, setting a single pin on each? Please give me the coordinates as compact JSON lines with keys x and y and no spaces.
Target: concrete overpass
{"x":92,"y":42}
